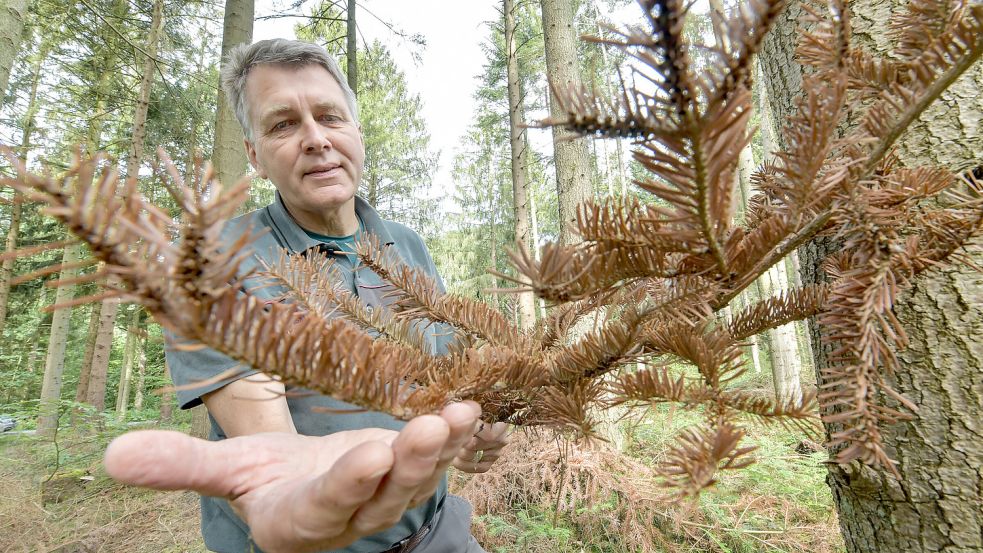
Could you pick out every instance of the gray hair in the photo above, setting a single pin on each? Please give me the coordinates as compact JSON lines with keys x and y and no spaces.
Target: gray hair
{"x":277,"y":51}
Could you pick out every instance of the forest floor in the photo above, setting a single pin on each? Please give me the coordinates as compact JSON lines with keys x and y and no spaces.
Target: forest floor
{"x":780,"y":504}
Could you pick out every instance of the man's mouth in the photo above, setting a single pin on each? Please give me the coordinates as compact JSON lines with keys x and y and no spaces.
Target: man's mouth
{"x":322,"y":171}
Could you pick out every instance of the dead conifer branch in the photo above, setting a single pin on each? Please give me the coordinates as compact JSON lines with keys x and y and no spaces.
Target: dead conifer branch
{"x":660,"y":272}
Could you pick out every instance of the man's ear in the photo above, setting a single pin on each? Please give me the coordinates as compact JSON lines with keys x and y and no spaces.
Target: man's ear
{"x":251,"y":154}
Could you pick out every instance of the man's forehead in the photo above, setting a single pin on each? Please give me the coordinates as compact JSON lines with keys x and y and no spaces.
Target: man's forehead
{"x":273,"y":84}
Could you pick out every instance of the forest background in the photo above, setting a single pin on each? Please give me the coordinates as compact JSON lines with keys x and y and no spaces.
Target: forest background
{"x":129,"y":76}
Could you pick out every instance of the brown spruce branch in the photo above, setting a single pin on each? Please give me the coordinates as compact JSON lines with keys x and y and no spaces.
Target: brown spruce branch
{"x":788,"y":306}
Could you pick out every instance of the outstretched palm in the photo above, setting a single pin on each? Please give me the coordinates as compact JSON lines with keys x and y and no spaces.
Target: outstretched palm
{"x":302,"y":493}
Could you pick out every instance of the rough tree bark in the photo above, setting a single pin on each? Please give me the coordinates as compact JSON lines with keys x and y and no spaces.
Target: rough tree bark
{"x":520,"y":156}
{"x":573,"y":182}
{"x":936,"y":504}
{"x":12,"y":16}
{"x":228,"y":154}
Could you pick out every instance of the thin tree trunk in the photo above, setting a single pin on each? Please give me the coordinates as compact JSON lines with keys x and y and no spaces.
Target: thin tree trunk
{"x":786,"y":370}
{"x":520,"y":156}
{"x":228,"y":154}
{"x":31,"y":356}
{"x":125,"y":375}
{"x":17,"y":208}
{"x":167,"y":399}
{"x":352,"y":48}
{"x":54,"y":366}
{"x":143,"y":98}
{"x":107,"y":315}
{"x":573,"y":182}
{"x":535,"y":243}
{"x":90,"y":345}
{"x":12,"y":16}
{"x":372,"y":195}
{"x":935,"y":506}
{"x":141,"y":361}
{"x":95,"y":393}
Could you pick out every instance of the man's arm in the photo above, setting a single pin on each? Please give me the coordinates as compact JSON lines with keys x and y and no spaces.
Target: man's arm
{"x":250,"y":405}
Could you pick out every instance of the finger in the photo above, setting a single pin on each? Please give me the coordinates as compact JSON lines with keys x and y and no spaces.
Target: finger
{"x":462,"y":419}
{"x":416,"y":452}
{"x":470,"y":466}
{"x":168,"y":460}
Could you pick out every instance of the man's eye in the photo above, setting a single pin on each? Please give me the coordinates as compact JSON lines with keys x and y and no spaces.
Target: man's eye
{"x":330,"y":118}
{"x":281,"y":125}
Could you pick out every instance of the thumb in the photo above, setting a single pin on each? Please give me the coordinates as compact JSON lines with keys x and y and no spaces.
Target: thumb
{"x":168,"y":460}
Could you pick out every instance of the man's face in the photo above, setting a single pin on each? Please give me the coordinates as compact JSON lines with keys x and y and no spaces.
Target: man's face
{"x":305,"y":139}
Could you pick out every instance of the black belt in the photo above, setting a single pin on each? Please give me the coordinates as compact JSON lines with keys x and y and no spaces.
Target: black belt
{"x":409,"y":544}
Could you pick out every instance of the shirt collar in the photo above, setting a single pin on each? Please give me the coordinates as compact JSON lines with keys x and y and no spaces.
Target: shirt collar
{"x":293,"y":237}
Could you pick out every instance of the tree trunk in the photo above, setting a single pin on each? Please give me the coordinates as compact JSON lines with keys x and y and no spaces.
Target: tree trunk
{"x":12,"y":15}
{"x":200,"y":425}
{"x":31,"y":355}
{"x":352,"y":48}
{"x":372,"y":195}
{"x":140,"y":358}
{"x":96,"y":394}
{"x":573,"y":182}
{"x":786,"y":370}
{"x":125,"y":375}
{"x":54,"y":365}
{"x":520,"y":156}
{"x":143,"y":98}
{"x":17,"y":208}
{"x":90,"y":346}
{"x":228,"y":154}
{"x":167,"y":399}
{"x":936,"y":504}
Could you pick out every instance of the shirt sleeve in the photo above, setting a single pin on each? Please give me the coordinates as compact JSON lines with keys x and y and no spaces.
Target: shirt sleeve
{"x":194,"y":372}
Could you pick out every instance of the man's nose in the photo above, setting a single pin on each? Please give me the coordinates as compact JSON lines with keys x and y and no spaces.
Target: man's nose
{"x":314,"y":137}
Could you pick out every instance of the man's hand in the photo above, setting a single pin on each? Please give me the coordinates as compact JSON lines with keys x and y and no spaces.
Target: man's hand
{"x":483,"y":449}
{"x":303,"y":493}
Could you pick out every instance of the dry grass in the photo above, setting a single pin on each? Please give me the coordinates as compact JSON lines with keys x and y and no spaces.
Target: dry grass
{"x":99,"y":516}
{"x":542,"y":496}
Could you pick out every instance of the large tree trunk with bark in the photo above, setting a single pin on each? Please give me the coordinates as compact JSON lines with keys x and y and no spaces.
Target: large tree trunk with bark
{"x":520,"y":157}
{"x":12,"y":16}
{"x":228,"y":154}
{"x":573,"y":182}
{"x":935,"y":506}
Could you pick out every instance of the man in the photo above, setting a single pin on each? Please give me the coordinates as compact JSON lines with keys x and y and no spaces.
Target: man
{"x":283,"y":475}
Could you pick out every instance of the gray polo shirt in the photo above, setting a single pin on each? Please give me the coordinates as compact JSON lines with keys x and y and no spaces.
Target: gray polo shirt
{"x":223,"y":531}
